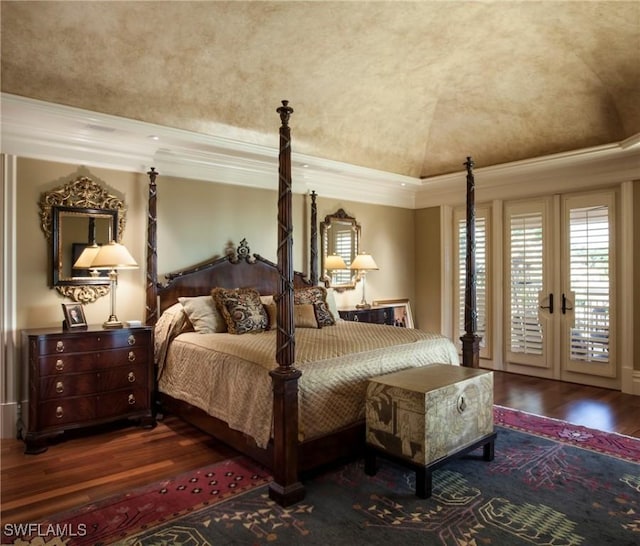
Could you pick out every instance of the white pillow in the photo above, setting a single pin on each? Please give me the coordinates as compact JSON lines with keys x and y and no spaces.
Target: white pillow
{"x":204,"y":315}
{"x":331,"y":303}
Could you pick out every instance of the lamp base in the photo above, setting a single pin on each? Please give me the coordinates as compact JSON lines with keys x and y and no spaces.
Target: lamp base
{"x":112,"y":322}
{"x":363,"y":305}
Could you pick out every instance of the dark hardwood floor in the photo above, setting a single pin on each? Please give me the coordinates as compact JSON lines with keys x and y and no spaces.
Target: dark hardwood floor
{"x":83,"y":467}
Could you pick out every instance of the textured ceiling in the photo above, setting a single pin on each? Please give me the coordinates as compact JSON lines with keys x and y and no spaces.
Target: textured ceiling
{"x":405,"y":87}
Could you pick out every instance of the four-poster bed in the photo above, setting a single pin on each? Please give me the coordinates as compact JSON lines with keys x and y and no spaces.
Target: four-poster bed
{"x":314,"y":408}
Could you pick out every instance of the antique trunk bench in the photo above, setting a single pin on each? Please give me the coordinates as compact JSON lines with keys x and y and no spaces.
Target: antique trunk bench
{"x":423,"y":417}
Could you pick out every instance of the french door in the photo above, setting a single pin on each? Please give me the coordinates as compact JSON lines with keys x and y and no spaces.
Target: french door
{"x":559,"y":272}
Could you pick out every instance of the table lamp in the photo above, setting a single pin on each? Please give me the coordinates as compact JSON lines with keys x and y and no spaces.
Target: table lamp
{"x":363,"y":263}
{"x":112,"y":257}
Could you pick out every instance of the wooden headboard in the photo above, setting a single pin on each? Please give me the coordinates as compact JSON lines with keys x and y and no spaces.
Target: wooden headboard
{"x":239,"y":270}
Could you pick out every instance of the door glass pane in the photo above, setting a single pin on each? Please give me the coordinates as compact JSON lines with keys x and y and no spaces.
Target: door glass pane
{"x":589,"y":282}
{"x":526,"y":277}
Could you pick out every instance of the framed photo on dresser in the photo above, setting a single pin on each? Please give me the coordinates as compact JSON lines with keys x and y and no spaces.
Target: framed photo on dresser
{"x":74,"y":315}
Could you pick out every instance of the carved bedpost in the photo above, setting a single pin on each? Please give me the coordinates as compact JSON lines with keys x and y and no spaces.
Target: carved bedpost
{"x":151,"y":309}
{"x":285,"y":488}
{"x":314,"y":240}
{"x":470,"y":341}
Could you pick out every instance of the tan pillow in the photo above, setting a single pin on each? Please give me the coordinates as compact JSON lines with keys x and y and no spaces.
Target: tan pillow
{"x":304,"y":316}
{"x":242,"y":309}
{"x":203,"y":314}
{"x":271,"y":310}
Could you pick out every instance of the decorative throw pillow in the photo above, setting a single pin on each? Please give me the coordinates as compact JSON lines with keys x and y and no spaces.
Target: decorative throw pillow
{"x":304,"y":316}
{"x":242,"y":309}
{"x":331,"y":303}
{"x":203,"y":314}
{"x":271,"y":310}
{"x":315,"y":295}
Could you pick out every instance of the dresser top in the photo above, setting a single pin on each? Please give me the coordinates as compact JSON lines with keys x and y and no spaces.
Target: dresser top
{"x":91,"y":328}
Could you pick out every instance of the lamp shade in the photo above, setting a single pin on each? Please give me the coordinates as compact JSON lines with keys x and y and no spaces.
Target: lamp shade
{"x":364,"y":262}
{"x":86,"y":258}
{"x":113,"y":256}
{"x":333,"y":261}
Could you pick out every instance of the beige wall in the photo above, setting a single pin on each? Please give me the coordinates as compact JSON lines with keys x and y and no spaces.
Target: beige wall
{"x":428,"y":285}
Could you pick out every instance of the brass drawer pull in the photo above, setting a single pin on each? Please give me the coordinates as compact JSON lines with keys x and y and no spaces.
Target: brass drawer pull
{"x":132,"y":356}
{"x":59,"y":365}
{"x":59,"y":412}
{"x":60,"y":346}
{"x":131,"y":377}
{"x":132,"y":400}
{"x":131,"y":340}
{"x":59,"y":387}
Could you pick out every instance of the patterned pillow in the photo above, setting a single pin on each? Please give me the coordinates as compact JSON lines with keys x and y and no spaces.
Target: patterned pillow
{"x":317,"y":295}
{"x":242,"y":309}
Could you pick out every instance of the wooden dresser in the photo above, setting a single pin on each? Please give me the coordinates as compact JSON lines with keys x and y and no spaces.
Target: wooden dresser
{"x":85,"y":377}
{"x":376,"y":315}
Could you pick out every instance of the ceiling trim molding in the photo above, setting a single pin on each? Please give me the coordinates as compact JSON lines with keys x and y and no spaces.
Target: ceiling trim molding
{"x":54,"y":132}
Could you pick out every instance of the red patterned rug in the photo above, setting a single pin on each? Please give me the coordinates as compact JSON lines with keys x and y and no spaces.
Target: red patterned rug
{"x":228,"y":502}
{"x":116,"y":517}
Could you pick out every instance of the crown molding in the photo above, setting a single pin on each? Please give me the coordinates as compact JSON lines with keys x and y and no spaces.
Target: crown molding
{"x":53,"y":132}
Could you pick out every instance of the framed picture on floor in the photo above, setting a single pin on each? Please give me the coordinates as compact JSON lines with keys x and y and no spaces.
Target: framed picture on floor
{"x":401,"y":311}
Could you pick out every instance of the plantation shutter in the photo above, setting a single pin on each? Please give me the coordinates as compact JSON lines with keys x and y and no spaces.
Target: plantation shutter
{"x":589,"y":283}
{"x":481,"y":276}
{"x":526,"y":283}
{"x":342,"y":248}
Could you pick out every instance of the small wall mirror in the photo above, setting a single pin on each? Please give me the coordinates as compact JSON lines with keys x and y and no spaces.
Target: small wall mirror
{"x":340,"y":236}
{"x":74,"y":216}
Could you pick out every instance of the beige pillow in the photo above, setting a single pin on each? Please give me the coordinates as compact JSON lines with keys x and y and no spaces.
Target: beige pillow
{"x":304,"y":316}
{"x":203,"y":314}
{"x":242,"y":309}
{"x":271,"y":310}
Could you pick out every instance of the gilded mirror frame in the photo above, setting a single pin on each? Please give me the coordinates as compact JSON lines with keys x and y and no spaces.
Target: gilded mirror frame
{"x":335,"y":226}
{"x":80,"y":198}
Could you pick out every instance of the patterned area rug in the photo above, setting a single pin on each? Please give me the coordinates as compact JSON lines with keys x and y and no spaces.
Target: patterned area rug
{"x":550,"y":483}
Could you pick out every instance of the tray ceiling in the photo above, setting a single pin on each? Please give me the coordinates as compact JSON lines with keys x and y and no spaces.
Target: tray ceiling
{"x":404,"y":87}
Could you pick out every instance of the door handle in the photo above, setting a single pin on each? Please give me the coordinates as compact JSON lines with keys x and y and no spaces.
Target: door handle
{"x":550,"y":306}
{"x":564,"y":304}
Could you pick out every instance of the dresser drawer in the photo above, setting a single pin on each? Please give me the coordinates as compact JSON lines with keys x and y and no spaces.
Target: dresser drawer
{"x":63,"y":364}
{"x":56,"y":413}
{"x":91,"y":342}
{"x":122,"y":377}
{"x":67,"y":385}
{"x":122,"y":402}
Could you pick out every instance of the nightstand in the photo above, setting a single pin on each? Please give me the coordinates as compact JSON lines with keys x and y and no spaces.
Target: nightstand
{"x":80,"y":378}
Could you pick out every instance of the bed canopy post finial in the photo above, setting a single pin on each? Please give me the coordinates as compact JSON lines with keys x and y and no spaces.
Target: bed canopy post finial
{"x":151,"y":306}
{"x":285,"y":488}
{"x":313,"y":256}
{"x":470,"y":341}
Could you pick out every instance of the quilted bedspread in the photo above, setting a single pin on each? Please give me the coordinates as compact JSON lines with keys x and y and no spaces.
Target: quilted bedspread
{"x":227,"y":375}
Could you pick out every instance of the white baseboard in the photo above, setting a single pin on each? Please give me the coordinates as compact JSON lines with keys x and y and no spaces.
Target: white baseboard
{"x":9,"y":419}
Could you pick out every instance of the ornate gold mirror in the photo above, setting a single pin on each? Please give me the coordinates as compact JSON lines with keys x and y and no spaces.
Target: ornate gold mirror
{"x":340,"y":235}
{"x":74,"y":216}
